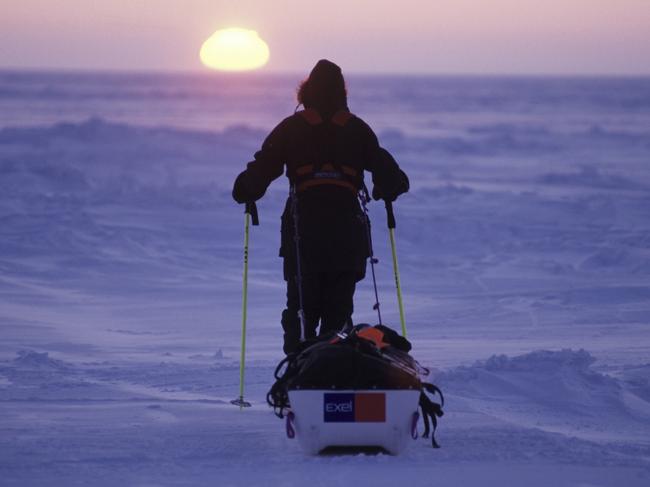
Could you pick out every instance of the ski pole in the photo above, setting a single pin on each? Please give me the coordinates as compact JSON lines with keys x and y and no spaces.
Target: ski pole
{"x":391,"y":230}
{"x":250,"y":214}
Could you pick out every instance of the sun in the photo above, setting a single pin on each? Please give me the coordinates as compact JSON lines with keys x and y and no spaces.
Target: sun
{"x":234,"y":49}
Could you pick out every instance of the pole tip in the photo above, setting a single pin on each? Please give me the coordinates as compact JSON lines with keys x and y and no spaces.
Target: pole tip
{"x":241,"y":403}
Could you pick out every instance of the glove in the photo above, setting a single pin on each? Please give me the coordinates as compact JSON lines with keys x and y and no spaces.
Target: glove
{"x":249,"y":187}
{"x":379,"y":194}
{"x":239,"y":193}
{"x":390,"y":194}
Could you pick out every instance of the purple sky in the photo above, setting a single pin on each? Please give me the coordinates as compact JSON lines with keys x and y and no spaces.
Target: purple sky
{"x":404,"y":36}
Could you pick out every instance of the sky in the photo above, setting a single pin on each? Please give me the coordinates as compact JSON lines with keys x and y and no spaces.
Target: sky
{"x":404,"y":37}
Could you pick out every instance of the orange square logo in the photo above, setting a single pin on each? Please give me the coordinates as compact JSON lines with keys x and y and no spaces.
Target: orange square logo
{"x":370,"y":407}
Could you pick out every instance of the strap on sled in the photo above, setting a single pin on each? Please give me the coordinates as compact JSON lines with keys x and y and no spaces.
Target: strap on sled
{"x":278,"y":395}
{"x":431,"y":411}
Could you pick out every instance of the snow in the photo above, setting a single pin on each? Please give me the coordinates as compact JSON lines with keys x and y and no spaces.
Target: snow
{"x":543,"y":413}
{"x":523,"y":246}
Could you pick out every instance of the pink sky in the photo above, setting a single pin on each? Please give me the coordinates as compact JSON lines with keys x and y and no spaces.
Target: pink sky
{"x":398,"y":36}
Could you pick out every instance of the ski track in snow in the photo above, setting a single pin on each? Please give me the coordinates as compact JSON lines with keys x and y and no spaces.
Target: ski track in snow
{"x":523,"y":246}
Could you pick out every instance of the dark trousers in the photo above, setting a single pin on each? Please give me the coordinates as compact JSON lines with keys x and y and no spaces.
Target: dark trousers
{"x":327,"y":299}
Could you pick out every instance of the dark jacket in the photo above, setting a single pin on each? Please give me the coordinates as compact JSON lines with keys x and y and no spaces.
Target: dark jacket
{"x":325,"y":161}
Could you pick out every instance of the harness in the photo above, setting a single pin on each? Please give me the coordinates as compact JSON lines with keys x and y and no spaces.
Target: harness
{"x":327,"y":171}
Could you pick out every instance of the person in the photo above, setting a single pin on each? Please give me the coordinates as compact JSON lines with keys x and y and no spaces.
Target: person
{"x":324,"y":238}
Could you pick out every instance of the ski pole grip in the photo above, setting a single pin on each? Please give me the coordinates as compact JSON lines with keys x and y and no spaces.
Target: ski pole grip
{"x":390,"y":215}
{"x":251,"y":209}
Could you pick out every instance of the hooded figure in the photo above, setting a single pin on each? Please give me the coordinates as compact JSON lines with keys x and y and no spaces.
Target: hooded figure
{"x":325,"y":150}
{"x":324,"y":90}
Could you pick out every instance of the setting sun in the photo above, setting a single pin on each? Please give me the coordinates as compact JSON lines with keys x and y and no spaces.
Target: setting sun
{"x":234,"y":49}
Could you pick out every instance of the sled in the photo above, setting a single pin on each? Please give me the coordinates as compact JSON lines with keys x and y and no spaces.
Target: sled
{"x":353,"y":390}
{"x":322,"y":419}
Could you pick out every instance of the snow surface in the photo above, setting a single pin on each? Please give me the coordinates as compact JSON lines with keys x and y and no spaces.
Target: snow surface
{"x":524,"y":248}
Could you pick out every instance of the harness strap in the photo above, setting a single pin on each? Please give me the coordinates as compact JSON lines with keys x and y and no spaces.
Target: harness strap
{"x":326,"y":173}
{"x":308,"y":169}
{"x":325,"y":181}
{"x":312,"y":117}
{"x":341,"y":117}
{"x":309,"y":175}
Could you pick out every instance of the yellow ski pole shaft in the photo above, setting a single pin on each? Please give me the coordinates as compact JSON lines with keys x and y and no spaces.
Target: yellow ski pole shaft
{"x":251,"y":211}
{"x":243,"y":311}
{"x":391,"y":230}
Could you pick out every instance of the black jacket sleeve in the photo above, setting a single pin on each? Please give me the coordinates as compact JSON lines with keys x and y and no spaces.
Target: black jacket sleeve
{"x":388,"y":180}
{"x":268,"y":165}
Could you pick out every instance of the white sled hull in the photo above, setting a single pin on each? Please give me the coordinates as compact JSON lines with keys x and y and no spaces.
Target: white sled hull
{"x":354,"y":418}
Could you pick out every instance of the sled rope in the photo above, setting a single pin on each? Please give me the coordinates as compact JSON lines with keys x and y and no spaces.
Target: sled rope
{"x":296,"y":239}
{"x":364,"y":197}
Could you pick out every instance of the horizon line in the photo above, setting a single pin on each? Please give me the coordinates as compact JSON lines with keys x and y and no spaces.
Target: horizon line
{"x":299,"y":74}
